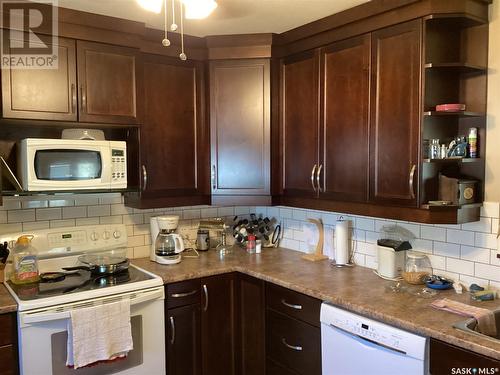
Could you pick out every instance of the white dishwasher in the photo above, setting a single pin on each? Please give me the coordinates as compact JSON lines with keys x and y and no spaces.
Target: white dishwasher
{"x":354,"y":345}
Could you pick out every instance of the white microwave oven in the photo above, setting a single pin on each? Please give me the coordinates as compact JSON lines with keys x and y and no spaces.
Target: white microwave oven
{"x":70,"y":164}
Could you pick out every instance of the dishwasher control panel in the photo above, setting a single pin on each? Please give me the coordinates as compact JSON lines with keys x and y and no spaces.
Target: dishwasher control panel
{"x":376,"y":332}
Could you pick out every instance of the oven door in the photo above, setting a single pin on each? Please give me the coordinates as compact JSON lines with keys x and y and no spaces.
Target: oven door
{"x":43,"y":335}
{"x":65,"y":165}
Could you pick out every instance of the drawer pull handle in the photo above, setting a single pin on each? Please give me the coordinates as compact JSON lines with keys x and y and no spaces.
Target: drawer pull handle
{"x":293,"y":347}
{"x":290,"y":305}
{"x":181,"y":295}
{"x":205,"y":291}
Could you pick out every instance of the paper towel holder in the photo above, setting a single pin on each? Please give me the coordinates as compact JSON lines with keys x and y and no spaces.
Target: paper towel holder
{"x":349,"y":254}
{"x":318,"y":253}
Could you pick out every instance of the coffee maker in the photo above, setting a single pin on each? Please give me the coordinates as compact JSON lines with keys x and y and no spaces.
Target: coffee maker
{"x":166,"y":245}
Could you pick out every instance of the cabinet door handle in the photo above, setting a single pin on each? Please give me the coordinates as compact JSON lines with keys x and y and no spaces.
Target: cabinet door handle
{"x":73,"y":98}
{"x":291,"y":305}
{"x":293,"y":347}
{"x":83,"y":98}
{"x":205,"y":291}
{"x":214,"y":176}
{"x":318,"y":174}
{"x":410,"y":181}
{"x":172,"y":327}
{"x":181,"y":295}
{"x":144,"y":177}
{"x":312,"y":177}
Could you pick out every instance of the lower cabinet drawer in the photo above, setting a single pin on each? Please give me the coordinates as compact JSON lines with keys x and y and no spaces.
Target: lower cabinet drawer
{"x":8,"y":360}
{"x":183,"y":293}
{"x":274,"y":368}
{"x":294,"y":344}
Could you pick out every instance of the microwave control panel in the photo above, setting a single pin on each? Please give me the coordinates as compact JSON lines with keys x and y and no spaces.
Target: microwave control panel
{"x":118,"y":168}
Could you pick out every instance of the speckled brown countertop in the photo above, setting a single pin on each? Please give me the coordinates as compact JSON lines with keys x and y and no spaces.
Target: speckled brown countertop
{"x":7,"y":303}
{"x":356,"y":289}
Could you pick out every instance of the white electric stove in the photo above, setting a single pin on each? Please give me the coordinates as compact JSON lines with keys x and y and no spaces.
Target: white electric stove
{"x":44,"y":308}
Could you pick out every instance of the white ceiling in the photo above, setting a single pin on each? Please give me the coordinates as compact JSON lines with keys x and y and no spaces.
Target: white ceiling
{"x":231,"y":16}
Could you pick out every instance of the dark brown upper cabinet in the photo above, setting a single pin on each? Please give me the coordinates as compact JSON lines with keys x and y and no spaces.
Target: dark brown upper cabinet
{"x":300,"y":124}
{"x":174,"y":137}
{"x":240,"y":127}
{"x":107,"y":80}
{"x":395,"y":114}
{"x":46,"y":94}
{"x":345,"y":69}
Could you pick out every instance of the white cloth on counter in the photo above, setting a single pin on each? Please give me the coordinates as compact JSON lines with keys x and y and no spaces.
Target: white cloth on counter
{"x":99,"y":333}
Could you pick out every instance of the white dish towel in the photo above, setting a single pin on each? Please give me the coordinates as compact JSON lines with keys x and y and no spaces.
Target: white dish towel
{"x":99,"y":333}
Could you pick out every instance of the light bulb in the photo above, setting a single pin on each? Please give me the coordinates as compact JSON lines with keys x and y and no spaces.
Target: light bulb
{"x":151,"y":5}
{"x":197,"y":9}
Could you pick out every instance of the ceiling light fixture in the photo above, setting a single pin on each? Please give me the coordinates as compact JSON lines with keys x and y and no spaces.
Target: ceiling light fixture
{"x":198,"y":9}
{"x":151,"y":5}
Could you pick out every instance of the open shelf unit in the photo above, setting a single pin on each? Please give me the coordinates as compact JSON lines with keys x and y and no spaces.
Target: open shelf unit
{"x":454,"y":71}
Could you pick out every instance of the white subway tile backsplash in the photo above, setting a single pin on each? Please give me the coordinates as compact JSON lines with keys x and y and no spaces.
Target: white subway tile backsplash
{"x":460,"y":266}
{"x":486,"y":240}
{"x":464,"y":252}
{"x":433,"y":233}
{"x":74,"y":212}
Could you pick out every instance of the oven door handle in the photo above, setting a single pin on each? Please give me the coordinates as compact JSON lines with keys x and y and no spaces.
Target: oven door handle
{"x":64,"y":311}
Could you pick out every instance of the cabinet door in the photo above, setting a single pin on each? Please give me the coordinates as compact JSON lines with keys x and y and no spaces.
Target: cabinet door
{"x":346,"y":97}
{"x":240,"y":127}
{"x":395,"y":114}
{"x":218,"y":326}
{"x":107,"y":79}
{"x":45,"y":94}
{"x":174,"y":139}
{"x":183,"y":340}
{"x":300,"y":101}
{"x":251,"y":337}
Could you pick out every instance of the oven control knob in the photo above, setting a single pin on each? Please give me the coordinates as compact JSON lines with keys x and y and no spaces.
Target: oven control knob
{"x":106,"y":235}
{"x":94,"y":236}
{"x":117,"y":234}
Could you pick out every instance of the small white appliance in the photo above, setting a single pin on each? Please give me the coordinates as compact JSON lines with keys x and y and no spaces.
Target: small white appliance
{"x":391,"y":255}
{"x":166,"y":245}
{"x":44,"y":308}
{"x":352,"y":344}
{"x":71,"y":164}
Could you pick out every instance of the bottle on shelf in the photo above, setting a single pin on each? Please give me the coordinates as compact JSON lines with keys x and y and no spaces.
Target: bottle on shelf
{"x":472,"y":138}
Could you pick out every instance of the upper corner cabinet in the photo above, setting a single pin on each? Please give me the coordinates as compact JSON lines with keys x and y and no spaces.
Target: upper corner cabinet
{"x":240,"y":130}
{"x":107,"y":80}
{"x":44,"y":94}
{"x":395,"y":114}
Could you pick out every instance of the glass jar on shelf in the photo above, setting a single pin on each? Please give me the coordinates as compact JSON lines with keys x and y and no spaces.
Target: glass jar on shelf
{"x":417,"y":268}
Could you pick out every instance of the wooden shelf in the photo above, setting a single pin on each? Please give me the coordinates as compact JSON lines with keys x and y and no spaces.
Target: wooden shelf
{"x":456,"y":114}
{"x":457,"y":67}
{"x":453,"y":160}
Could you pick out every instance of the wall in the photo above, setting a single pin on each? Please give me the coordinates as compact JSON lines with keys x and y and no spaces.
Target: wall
{"x":492,"y":150}
{"x":31,"y":213}
{"x":466,"y":252}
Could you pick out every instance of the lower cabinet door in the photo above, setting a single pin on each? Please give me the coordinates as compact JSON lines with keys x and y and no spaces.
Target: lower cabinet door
{"x":183,"y":340}
{"x":293,"y":344}
{"x":218,"y":325}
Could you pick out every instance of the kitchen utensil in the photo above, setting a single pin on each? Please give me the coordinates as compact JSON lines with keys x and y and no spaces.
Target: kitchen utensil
{"x":318,"y":253}
{"x":52,"y":277}
{"x":342,"y":242}
{"x":202,"y":240}
{"x":275,"y":237}
{"x":166,"y":244}
{"x":100,"y":264}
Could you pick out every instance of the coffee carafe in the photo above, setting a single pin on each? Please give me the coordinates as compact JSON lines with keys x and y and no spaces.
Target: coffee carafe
{"x":167,"y":245}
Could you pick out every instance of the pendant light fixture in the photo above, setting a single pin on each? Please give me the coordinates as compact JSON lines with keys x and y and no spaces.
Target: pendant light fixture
{"x":190,"y":9}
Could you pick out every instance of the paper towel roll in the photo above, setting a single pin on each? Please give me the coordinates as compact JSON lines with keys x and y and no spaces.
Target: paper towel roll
{"x":342,"y":242}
